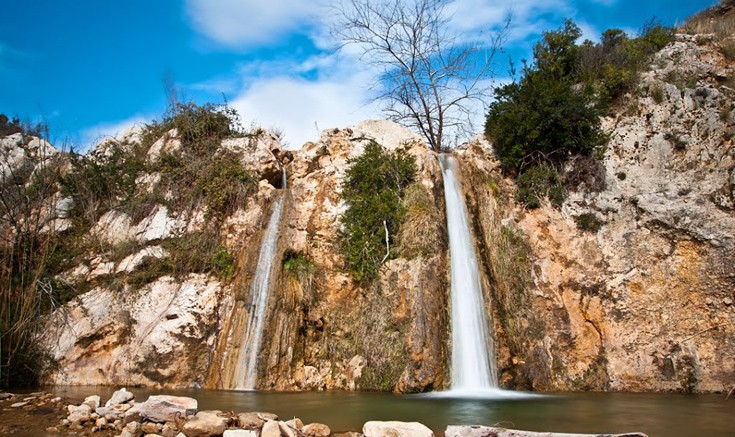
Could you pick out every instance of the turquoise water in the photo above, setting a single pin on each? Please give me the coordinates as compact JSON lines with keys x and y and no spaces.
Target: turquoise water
{"x":662,"y":415}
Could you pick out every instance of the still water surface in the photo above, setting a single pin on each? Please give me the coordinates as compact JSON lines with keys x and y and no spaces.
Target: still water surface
{"x":662,"y":415}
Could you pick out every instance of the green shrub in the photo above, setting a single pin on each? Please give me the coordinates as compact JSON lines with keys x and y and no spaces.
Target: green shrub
{"x":539,"y":182}
{"x":657,"y":93}
{"x":588,"y":222}
{"x":621,"y":175}
{"x":101,"y":181}
{"x":225,"y":184}
{"x":373,"y":189}
{"x":201,"y":129}
{"x":676,"y":141}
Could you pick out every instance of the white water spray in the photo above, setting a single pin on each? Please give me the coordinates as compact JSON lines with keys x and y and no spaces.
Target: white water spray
{"x":473,"y":356}
{"x":246,"y":372}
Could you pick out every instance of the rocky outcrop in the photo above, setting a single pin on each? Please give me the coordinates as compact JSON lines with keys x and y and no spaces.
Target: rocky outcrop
{"x":645,"y":302}
{"x":324,"y":330}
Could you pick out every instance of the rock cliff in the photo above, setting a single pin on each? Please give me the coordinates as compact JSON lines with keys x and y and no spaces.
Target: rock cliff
{"x":645,"y":302}
{"x":628,"y":286}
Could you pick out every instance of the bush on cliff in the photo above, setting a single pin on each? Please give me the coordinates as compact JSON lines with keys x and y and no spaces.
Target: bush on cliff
{"x":553,"y":112}
{"x":373,"y":190}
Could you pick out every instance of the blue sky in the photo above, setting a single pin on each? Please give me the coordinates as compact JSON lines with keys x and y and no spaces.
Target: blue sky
{"x":91,"y":68}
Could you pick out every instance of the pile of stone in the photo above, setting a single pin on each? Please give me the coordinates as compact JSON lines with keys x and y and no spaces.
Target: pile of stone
{"x":29,"y":401}
{"x":177,"y":416}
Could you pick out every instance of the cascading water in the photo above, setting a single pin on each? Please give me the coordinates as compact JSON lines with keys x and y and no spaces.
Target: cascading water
{"x":473,"y":361}
{"x":246,"y":371}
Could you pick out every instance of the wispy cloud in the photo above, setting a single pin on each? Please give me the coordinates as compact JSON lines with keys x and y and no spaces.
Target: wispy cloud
{"x":302,"y":107}
{"x":249,"y":22}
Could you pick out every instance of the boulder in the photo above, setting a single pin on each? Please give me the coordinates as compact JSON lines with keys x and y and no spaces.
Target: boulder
{"x":396,"y":429}
{"x":316,"y":430}
{"x":19,"y":404}
{"x":271,"y":429}
{"x":254,"y":420}
{"x":205,"y":424}
{"x":132,"y":429}
{"x":488,"y":431}
{"x":120,"y":397}
{"x":92,"y":401}
{"x":256,"y":154}
{"x":287,"y":430}
{"x":295,"y":423}
{"x":79,"y":414}
{"x":165,"y":408}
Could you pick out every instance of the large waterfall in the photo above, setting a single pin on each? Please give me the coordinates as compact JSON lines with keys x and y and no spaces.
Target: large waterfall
{"x":246,"y":372}
{"x":473,"y":357}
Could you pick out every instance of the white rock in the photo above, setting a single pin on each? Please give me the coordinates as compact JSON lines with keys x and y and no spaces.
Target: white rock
{"x":396,"y":429}
{"x":92,"y":401}
{"x":166,"y":144}
{"x":205,"y":424}
{"x":240,"y":433}
{"x":270,"y":429}
{"x":120,"y":397}
{"x":164,"y":408}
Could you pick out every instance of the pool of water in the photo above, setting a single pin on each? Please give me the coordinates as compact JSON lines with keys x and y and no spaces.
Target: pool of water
{"x":669,"y":415}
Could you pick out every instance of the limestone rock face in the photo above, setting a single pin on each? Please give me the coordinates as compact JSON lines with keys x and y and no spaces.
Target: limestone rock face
{"x":641,"y":304}
{"x":258,"y":153}
{"x":399,"y":319}
{"x":108,"y":337}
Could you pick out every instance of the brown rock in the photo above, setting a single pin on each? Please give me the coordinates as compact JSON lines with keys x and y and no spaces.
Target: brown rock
{"x":205,"y":424}
{"x":271,"y":429}
{"x":316,"y":430}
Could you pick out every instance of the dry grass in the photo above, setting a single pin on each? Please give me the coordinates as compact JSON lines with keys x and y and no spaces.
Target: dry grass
{"x":421,"y":233}
{"x":718,"y":20}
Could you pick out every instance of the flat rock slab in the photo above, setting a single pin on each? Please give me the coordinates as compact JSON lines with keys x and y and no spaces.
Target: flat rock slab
{"x":167,"y":408}
{"x":396,"y":429}
{"x":491,"y":431}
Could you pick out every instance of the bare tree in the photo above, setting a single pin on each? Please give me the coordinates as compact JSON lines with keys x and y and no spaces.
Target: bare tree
{"x":427,"y":76}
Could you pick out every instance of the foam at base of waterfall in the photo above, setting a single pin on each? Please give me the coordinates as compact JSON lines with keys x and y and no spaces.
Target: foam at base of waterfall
{"x":486,"y":393}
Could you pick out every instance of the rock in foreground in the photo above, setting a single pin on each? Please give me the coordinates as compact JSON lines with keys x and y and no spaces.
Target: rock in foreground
{"x":490,"y":431}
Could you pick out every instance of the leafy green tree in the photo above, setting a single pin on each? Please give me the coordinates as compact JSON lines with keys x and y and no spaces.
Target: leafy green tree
{"x":373,"y":189}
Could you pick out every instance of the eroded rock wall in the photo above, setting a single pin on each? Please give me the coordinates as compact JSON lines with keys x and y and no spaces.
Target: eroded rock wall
{"x":645,"y":303}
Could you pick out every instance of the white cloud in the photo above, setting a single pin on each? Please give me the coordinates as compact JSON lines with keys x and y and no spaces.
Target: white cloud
{"x":249,"y":22}
{"x":302,"y":108}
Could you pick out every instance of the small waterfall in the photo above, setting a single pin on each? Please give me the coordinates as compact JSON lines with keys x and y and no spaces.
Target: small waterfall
{"x":473,"y":356}
{"x":246,"y":371}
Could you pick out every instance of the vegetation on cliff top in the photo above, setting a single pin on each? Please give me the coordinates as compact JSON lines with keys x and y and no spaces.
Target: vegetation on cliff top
{"x":34,"y":253}
{"x":373,"y":189}
{"x":553,"y":112}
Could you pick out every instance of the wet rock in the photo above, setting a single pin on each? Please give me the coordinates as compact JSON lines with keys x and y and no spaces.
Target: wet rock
{"x":271,"y":429}
{"x":120,"y":397}
{"x":4,"y":396}
{"x":19,"y":404}
{"x":163,"y":408}
{"x":205,"y":424}
{"x":316,"y":430}
{"x":396,"y":429}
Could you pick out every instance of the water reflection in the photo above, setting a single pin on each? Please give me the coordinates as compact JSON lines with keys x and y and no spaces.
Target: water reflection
{"x":656,"y":414}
